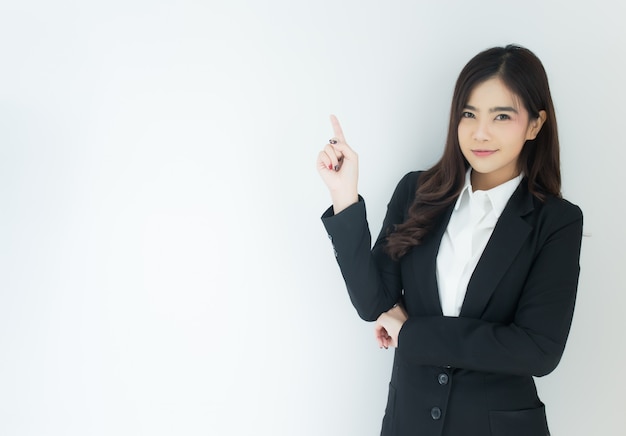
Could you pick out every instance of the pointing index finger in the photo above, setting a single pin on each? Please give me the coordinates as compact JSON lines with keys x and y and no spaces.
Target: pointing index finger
{"x":337,"y":129}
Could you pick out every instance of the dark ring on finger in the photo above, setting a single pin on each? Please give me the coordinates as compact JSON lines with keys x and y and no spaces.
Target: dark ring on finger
{"x":332,"y":141}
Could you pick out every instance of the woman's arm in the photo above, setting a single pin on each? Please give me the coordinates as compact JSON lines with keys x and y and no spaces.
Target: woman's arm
{"x":533,"y":343}
{"x":373,"y":280}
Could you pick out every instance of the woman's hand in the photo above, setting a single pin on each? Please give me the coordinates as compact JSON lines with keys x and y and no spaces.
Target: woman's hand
{"x":338,"y":166}
{"x":388,"y":326}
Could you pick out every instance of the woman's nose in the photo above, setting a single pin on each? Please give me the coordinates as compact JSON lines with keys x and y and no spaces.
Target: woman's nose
{"x":481,"y":133}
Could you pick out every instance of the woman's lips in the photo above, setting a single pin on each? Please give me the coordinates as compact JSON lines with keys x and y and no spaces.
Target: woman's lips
{"x":483,"y":153}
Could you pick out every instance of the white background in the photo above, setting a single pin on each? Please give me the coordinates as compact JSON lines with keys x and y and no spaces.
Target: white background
{"x":163,"y":269}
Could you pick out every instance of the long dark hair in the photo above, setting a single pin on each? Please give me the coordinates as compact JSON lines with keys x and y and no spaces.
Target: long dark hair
{"x":522,"y":72}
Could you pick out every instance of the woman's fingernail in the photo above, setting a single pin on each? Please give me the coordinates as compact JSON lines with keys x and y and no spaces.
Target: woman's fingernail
{"x":336,"y":167}
{"x":330,"y":166}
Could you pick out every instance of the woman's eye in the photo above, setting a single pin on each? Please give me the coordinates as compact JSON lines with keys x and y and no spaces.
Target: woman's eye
{"x":502,"y":117}
{"x":467,"y":115}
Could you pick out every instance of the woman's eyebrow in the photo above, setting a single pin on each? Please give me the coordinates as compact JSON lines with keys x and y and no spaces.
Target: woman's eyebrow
{"x":503,"y":109}
{"x":494,"y":109}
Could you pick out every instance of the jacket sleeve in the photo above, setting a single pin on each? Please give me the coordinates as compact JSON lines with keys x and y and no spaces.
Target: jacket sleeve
{"x":373,"y":280}
{"x":533,"y":343}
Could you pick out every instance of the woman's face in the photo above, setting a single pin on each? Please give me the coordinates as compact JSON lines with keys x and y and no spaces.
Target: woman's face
{"x":493,"y":129}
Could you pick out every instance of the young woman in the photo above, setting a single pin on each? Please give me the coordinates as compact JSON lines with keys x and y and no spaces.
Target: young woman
{"x":473,"y":276}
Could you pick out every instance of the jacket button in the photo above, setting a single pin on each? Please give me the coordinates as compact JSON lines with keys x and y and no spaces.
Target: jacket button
{"x":435,"y":413}
{"x":443,"y":379}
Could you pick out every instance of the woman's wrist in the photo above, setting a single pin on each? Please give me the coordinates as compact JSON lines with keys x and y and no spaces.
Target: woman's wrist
{"x":342,"y":201}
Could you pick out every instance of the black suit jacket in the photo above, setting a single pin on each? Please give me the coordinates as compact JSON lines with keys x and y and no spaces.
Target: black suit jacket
{"x":472,"y":374}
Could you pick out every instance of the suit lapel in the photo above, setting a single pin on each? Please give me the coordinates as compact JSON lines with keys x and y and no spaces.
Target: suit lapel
{"x":423,"y":265}
{"x":507,"y":238}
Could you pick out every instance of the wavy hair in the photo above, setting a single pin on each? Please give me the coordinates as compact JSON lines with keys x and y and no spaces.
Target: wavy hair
{"x":523,"y":74}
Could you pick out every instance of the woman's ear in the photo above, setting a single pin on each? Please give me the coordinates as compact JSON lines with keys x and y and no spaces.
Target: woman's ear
{"x":535,"y":125}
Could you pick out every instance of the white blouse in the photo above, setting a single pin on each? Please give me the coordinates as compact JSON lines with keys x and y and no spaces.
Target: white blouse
{"x":471,"y":224}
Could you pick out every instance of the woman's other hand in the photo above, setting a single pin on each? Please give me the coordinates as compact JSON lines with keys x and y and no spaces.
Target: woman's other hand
{"x":338,"y":166}
{"x":388,"y":326}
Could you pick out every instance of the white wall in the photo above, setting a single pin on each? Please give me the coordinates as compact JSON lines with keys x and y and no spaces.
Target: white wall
{"x":163,"y":269}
